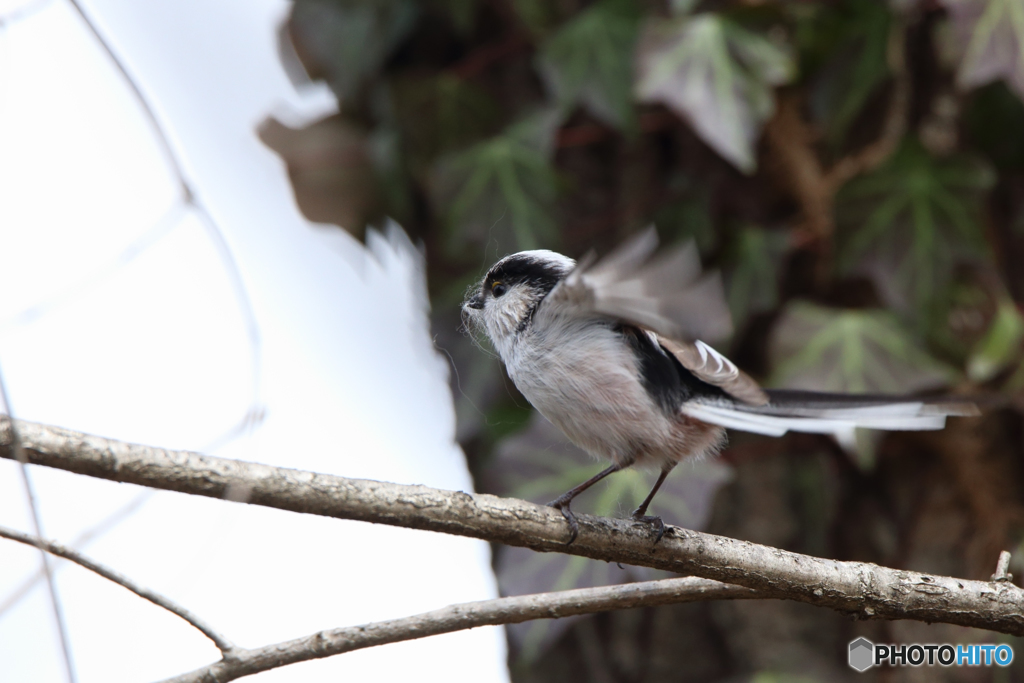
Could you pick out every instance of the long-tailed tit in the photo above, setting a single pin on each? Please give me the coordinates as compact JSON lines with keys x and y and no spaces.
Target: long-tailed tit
{"x":609,"y":352}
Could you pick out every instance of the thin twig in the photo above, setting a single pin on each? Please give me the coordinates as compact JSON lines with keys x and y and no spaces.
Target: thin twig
{"x":190,"y":198}
{"x":79,"y":543}
{"x":875,"y":154}
{"x":465,"y":616}
{"x":18,"y":454}
{"x":222,"y":643}
{"x":246,"y":424}
{"x":857,"y":588}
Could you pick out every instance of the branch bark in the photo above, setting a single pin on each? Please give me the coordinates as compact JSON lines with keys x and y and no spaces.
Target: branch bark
{"x":460,"y":617}
{"x":864,"y":590}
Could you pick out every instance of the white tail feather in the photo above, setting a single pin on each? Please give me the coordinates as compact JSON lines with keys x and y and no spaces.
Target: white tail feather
{"x":911,"y":416}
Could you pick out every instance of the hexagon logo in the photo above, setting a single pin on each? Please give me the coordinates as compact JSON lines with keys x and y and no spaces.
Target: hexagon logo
{"x":862,"y":654}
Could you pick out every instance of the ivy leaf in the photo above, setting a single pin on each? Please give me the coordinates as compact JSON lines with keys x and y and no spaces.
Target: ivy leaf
{"x":850,"y":45}
{"x":752,"y":271}
{"x":502,"y":188}
{"x":589,"y":61}
{"x":850,"y":351}
{"x":991,"y":36}
{"x":715,"y":75}
{"x":1001,"y":344}
{"x":538,"y":464}
{"x":348,"y":41}
{"x":907,"y":224}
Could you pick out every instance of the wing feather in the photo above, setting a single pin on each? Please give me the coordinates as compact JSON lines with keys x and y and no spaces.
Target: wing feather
{"x":712,"y":367}
{"x":666,"y":294}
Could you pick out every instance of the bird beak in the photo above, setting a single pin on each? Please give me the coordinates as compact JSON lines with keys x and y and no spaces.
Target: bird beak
{"x":475,"y":302}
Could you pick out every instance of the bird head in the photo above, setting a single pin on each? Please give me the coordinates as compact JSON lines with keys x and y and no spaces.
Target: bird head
{"x":508,"y":295}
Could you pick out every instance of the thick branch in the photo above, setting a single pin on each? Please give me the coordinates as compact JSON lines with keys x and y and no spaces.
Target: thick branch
{"x":222,"y":643}
{"x":865,"y":590}
{"x":460,"y":617}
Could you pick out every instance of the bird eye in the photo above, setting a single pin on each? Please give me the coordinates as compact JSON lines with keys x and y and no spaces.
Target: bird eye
{"x":498,"y":288}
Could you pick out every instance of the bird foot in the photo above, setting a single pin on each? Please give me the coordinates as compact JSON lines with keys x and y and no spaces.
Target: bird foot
{"x":563,"y":507}
{"x":654,"y":522}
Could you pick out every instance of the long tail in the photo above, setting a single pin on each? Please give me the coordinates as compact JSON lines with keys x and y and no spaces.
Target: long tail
{"x":838,"y":414}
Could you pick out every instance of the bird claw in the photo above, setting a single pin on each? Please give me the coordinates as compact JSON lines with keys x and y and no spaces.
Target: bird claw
{"x":574,"y":527}
{"x":654,"y":522}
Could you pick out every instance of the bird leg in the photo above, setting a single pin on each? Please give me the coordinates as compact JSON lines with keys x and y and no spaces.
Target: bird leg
{"x":640,"y":514}
{"x":562,"y":502}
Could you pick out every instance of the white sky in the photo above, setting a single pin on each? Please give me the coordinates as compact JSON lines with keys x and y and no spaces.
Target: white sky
{"x":155,"y":349}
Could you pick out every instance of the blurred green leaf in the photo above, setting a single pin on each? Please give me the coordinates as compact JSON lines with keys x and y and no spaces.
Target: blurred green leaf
{"x":995,"y":119}
{"x":991,"y":37}
{"x":589,"y":61}
{"x":538,"y":464}
{"x":680,"y":7}
{"x":350,"y":40}
{"x":540,"y":17}
{"x":964,"y":313}
{"x":857,"y":351}
{"x":850,"y":44}
{"x":462,"y":12}
{"x":1001,"y":344}
{"x":688,"y":215}
{"x":908,"y":223}
{"x":441,"y":113}
{"x":504,"y":184}
{"x":717,"y":76}
{"x":752,"y":271}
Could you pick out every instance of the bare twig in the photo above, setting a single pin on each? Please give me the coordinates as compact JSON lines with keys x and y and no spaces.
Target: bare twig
{"x":895,"y":125}
{"x":222,"y":643}
{"x":792,"y":139}
{"x":857,"y":588}
{"x":189,"y":198}
{"x":18,"y":454}
{"x":83,"y":540}
{"x":481,"y":59}
{"x":1002,"y":568}
{"x":247,"y":423}
{"x":465,"y":616}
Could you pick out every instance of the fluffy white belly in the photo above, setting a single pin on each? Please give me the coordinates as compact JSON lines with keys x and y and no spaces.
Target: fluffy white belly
{"x":591,"y":390}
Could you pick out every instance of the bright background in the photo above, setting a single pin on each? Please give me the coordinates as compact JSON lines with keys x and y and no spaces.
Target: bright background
{"x":128,"y":311}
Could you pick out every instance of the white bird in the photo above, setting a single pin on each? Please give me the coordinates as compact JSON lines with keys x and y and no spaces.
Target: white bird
{"x":610,"y":353}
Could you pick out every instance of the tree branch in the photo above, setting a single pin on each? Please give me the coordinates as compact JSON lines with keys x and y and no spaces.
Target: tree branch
{"x":792,"y":141}
{"x":861,"y":589}
{"x":460,"y":617}
{"x":222,"y":643}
